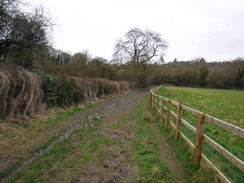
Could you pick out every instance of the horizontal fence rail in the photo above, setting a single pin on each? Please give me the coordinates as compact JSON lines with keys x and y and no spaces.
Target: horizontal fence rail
{"x":163,"y":106}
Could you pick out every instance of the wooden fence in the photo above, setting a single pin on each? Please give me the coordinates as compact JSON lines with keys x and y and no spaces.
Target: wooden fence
{"x":162,"y":105}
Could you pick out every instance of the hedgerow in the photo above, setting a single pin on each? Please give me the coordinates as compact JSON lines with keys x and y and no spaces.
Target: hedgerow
{"x":23,"y":93}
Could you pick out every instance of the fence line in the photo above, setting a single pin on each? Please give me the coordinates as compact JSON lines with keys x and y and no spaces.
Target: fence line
{"x":162,"y":105}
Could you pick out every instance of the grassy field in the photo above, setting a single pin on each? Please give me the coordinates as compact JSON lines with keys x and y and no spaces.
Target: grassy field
{"x":226,"y":105}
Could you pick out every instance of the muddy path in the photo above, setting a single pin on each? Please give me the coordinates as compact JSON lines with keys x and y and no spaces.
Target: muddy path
{"x":94,"y":146}
{"x":82,"y":120}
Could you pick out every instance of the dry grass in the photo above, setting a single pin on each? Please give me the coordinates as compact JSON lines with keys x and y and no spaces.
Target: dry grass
{"x":147,"y":116}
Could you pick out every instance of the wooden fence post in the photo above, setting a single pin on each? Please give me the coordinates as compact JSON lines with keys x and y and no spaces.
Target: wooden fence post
{"x":156,"y":103}
{"x":151,"y":99}
{"x":161,"y":108}
{"x":156,"y":107}
{"x":199,"y":139}
{"x":168,"y":113}
{"x":179,"y":108}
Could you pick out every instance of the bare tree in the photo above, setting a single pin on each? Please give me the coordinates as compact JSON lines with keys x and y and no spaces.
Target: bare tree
{"x":139,"y":48}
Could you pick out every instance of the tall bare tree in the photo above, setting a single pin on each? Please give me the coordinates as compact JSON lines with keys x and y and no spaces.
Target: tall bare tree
{"x":138,"y":48}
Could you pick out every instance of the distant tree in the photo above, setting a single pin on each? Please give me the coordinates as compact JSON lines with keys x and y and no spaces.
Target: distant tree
{"x":217,"y":75}
{"x":139,"y":48}
{"x":203,"y":76}
{"x":202,"y":66}
{"x":81,"y":57}
{"x":63,"y":57}
{"x":77,"y":65}
{"x":96,"y":68}
{"x":238,"y":68}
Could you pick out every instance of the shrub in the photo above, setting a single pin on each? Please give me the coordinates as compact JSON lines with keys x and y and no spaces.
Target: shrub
{"x":58,"y":91}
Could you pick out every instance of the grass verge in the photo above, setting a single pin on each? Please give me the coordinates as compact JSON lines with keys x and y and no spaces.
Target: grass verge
{"x":148,"y":158}
{"x":184,"y":154}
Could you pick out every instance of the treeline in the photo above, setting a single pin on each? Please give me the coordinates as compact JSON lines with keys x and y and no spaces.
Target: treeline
{"x":195,"y":73}
{"x":199,"y":73}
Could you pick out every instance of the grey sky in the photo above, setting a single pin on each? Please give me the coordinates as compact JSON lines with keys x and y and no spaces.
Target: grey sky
{"x":213,"y":29}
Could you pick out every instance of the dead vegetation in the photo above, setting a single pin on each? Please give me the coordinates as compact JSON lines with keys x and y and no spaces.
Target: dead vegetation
{"x":91,"y":89}
{"x":22,"y":92}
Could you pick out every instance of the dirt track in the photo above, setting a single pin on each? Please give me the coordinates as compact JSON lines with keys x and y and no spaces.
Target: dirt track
{"x":103,"y":149}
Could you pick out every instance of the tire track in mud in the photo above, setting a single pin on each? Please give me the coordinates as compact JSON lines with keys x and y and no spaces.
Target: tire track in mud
{"x":108,"y":108}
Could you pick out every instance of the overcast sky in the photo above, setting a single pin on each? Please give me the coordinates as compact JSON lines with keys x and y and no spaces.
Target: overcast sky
{"x":212,"y":29}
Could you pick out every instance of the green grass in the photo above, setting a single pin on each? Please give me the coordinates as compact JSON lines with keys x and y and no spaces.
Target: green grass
{"x":226,"y":105}
{"x":67,"y":159}
{"x":12,"y":167}
{"x":147,"y":146}
{"x":36,"y":125}
{"x":59,"y":117}
{"x":148,"y":157}
{"x":63,"y":158}
{"x":223,"y":104}
{"x":184,"y":154}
